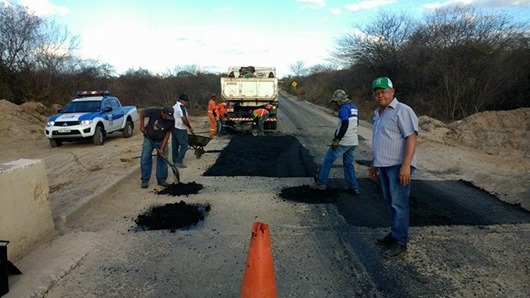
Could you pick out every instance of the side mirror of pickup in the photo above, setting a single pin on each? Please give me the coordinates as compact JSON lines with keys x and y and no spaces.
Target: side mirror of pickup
{"x":107,"y":109}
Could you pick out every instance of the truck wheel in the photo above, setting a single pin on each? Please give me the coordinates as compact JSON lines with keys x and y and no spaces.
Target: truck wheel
{"x":128,"y":129}
{"x":99,"y":136}
{"x":55,"y":143}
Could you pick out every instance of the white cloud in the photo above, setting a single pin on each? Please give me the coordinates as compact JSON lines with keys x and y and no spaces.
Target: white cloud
{"x":368,"y":5}
{"x":480,"y":3}
{"x":436,"y":5}
{"x":44,"y":7}
{"x":335,"y":11}
{"x":313,"y":2}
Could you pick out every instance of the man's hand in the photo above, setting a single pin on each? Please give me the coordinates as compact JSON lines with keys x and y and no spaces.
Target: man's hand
{"x":373,"y":173}
{"x":335,"y":144}
{"x":142,"y":129}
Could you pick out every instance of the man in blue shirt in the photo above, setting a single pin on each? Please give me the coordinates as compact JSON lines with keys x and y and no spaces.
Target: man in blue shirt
{"x":394,"y":137}
{"x":344,"y":142}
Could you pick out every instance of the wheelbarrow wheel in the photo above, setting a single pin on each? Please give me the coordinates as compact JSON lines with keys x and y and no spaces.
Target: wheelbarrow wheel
{"x":199,"y":152}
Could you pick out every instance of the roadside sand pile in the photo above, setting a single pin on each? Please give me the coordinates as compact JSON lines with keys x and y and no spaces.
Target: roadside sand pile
{"x":25,"y":121}
{"x":495,"y":133}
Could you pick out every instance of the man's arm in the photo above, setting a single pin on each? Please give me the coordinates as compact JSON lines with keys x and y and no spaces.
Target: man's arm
{"x":142,"y":117}
{"x":410,"y":149}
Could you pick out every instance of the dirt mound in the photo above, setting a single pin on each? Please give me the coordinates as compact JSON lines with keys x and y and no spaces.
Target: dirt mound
{"x":497,"y":132}
{"x":25,"y":121}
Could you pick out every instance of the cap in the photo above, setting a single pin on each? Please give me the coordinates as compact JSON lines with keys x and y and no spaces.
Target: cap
{"x":382,"y":83}
{"x":169,"y":112}
{"x":339,"y":96}
{"x":184,"y":97}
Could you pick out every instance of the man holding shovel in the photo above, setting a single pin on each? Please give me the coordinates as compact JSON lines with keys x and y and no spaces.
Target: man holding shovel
{"x":156,"y":136}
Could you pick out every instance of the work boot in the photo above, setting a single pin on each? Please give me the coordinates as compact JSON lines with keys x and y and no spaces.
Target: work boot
{"x":395,"y":251}
{"x":388,"y":240}
{"x":163,"y":184}
{"x":319,"y":186}
{"x":181,"y":165}
{"x":145,"y":184}
{"x":317,"y":173}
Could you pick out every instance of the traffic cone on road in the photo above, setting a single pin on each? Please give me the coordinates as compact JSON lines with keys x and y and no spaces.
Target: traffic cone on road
{"x":258,"y":279}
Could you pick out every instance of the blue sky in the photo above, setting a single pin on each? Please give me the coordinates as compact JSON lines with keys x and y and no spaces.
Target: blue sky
{"x":161,"y":35}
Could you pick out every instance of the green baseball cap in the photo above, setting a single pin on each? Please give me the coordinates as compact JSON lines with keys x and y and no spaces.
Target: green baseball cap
{"x":382,"y":83}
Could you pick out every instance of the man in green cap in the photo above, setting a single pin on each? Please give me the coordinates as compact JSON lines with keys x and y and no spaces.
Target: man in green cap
{"x":394,"y":136}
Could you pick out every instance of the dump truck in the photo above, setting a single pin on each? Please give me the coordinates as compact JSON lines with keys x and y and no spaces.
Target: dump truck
{"x":247,"y":88}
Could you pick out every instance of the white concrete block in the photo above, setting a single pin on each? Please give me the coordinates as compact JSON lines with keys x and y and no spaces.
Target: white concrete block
{"x":25,"y":213}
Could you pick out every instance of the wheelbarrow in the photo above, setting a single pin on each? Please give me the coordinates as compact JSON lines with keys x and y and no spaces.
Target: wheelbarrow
{"x":198,"y":142}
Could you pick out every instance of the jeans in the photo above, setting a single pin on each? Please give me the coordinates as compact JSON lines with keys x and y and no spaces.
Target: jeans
{"x":261,"y":122}
{"x":146,"y":162}
{"x":348,"y":155}
{"x":397,"y":197}
{"x":180,"y":144}
{"x":220,"y":123}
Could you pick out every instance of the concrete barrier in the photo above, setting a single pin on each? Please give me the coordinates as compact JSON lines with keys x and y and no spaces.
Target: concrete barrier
{"x":25,"y":213}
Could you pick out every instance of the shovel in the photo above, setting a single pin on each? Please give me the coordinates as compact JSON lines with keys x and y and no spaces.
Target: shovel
{"x":172,"y":166}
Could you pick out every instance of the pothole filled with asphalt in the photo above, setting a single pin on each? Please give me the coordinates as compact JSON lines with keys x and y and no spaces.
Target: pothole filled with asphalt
{"x":180,"y":189}
{"x":171,"y":216}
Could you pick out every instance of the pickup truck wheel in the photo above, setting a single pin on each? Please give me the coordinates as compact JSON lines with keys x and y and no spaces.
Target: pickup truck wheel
{"x":55,"y":143}
{"x":99,"y":136}
{"x":128,"y":129}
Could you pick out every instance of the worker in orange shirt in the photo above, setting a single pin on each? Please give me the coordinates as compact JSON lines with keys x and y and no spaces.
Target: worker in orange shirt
{"x":259,"y":116}
{"x":221,"y":111}
{"x":212,"y":116}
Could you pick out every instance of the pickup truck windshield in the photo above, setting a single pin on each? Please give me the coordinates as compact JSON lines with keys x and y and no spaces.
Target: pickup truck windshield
{"x":83,"y":107}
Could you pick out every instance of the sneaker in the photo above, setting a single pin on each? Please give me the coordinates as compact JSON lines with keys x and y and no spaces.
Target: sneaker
{"x":163,"y":184}
{"x":388,"y":240}
{"x":395,"y":251}
{"x":145,"y":184}
{"x":353,"y":191}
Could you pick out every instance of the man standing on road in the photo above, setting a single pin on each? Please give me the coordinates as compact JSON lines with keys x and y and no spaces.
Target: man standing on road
{"x":212,"y":115}
{"x":222,"y":114}
{"x":259,"y":116}
{"x":394,"y":136}
{"x":179,"y":134}
{"x":158,"y":129}
{"x":345,"y":140}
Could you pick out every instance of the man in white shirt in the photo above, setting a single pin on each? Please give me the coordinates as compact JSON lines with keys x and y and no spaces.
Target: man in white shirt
{"x":179,"y":134}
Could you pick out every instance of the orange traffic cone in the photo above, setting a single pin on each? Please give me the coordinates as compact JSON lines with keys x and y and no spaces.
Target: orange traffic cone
{"x":258,"y":279}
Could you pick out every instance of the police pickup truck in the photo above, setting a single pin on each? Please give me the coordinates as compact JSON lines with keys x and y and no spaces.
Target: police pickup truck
{"x":92,"y":115}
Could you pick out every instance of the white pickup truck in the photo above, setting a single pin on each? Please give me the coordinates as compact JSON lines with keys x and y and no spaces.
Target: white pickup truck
{"x":249,"y":88}
{"x":92,"y":115}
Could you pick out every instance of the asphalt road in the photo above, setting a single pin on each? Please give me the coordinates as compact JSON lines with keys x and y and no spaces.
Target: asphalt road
{"x":464,"y":242}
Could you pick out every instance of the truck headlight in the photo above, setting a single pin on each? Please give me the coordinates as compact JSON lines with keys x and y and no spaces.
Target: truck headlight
{"x":50,"y":123}
{"x":86,"y":122}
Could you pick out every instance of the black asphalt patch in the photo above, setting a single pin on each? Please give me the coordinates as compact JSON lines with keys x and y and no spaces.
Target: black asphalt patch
{"x":264,"y":156}
{"x":180,"y":189}
{"x":308,"y":195}
{"x":171,"y":216}
{"x":433,"y":203}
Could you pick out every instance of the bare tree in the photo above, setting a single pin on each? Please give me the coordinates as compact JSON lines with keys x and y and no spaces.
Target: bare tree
{"x":298,"y":69}
{"x":468,"y":57}
{"x":378,"y":46}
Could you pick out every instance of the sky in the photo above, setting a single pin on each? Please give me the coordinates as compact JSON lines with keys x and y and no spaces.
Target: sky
{"x":165,"y":35}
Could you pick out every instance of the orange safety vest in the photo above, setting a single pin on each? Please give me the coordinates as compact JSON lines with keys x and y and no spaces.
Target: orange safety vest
{"x":260,"y":112}
{"x":220,"y":109}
